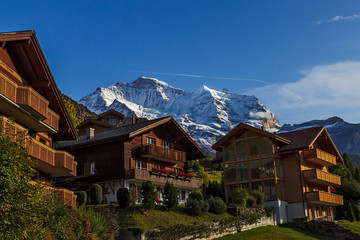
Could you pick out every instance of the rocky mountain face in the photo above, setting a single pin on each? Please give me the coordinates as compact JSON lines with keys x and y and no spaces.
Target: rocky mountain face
{"x":206,"y":114}
{"x":81,"y":111}
{"x":346,"y":136}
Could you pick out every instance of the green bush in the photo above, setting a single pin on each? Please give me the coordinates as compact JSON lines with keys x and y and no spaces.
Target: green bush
{"x":196,"y":196}
{"x":123,"y":197}
{"x":301,"y":219}
{"x":250,"y":202}
{"x":95,"y":192}
{"x":260,"y":197}
{"x":81,"y":198}
{"x":148,"y":195}
{"x":196,"y":207}
{"x":270,"y":211}
{"x":170,"y":196}
{"x":216,"y":205}
{"x":239,"y":196}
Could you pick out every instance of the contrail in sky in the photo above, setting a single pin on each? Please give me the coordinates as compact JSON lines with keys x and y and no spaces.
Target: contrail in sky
{"x":221,"y":78}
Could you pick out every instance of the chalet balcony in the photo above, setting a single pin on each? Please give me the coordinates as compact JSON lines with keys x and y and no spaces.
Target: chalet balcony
{"x":140,"y":175}
{"x":27,"y":106}
{"x":66,"y":161}
{"x":67,"y":196}
{"x":319,"y":157}
{"x":320,"y":177}
{"x":324,"y":198}
{"x":160,"y":153}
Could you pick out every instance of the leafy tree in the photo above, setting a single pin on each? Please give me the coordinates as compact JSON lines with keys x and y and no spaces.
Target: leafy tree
{"x":217,"y":205}
{"x":205,"y":177}
{"x":170,"y":196}
{"x":214,"y":189}
{"x":70,"y":107}
{"x":148,"y":195}
{"x":20,"y":200}
{"x":81,"y":198}
{"x":196,"y":196}
{"x":260,"y":197}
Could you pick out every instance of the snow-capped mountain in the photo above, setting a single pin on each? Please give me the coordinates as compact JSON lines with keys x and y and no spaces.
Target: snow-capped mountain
{"x":206,"y":114}
{"x":346,"y":136}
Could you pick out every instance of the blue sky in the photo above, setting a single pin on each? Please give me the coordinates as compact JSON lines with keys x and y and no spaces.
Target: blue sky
{"x":308,"y":51}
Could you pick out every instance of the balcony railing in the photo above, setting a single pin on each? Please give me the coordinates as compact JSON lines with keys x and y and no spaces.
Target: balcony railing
{"x":28,"y":96}
{"x":30,"y":100}
{"x":324,"y":198}
{"x":321,"y":177}
{"x":160,"y":153}
{"x":56,"y":163}
{"x":320,"y":157}
{"x":67,"y":196}
{"x":146,"y":175}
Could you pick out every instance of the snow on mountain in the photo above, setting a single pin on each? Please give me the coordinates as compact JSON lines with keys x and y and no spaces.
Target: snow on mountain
{"x":346,"y":136}
{"x":206,"y":114}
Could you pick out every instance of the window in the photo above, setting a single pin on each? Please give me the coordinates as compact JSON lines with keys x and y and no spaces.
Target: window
{"x":241,"y":150}
{"x":92,"y":168}
{"x":270,"y":190}
{"x":159,"y":166}
{"x":242,"y":171}
{"x":165,"y":144}
{"x":268,"y":167}
{"x":266,"y":146}
{"x":253,"y":147}
{"x":229,"y":153}
{"x":255,"y":169}
{"x":111,"y":120}
{"x":150,"y":141}
{"x":230,"y":172}
{"x":140,"y":164}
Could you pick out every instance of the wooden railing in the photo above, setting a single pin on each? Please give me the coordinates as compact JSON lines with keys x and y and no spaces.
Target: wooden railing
{"x":320,"y":197}
{"x":321,"y":177}
{"x":67,"y":196}
{"x":26,"y":95}
{"x":38,"y":149}
{"x":319,"y":157}
{"x":160,"y":153}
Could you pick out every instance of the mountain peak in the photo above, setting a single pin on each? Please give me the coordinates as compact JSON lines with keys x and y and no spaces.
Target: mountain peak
{"x":148,"y":80}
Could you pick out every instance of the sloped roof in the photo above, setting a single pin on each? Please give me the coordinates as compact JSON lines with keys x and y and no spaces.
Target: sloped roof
{"x":300,"y":139}
{"x":32,"y":65}
{"x":126,"y":132}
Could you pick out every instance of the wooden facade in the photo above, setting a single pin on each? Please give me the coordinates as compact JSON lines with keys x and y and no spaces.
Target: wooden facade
{"x":290,"y":168}
{"x":30,"y":105}
{"x":156,"y":150}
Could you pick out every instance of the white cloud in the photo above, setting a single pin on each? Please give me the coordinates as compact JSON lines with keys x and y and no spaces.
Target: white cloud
{"x":325,"y":91}
{"x":339,"y":18}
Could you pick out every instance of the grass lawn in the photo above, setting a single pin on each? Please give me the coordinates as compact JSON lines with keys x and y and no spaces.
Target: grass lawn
{"x":127,"y":218}
{"x":275,"y":233}
{"x":353,"y":226}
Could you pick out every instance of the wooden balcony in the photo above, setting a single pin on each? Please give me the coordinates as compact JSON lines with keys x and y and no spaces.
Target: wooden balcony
{"x":320,"y":177}
{"x":324,"y":198}
{"x":319,"y":157}
{"x":67,"y":196}
{"x":30,"y":99}
{"x":66,"y":160}
{"x":140,"y":175}
{"x":27,"y":106}
{"x":160,"y":153}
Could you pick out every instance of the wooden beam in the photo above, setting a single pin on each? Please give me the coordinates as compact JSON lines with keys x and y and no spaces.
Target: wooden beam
{"x":3,"y":44}
{"x":40,"y":84}
{"x":27,"y":59}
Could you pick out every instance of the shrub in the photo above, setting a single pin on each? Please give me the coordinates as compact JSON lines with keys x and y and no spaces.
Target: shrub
{"x":148,"y":195}
{"x":239,"y":196}
{"x":123,"y":197}
{"x":260,"y":197}
{"x":270,"y":211}
{"x":216,"y":205}
{"x":81,"y":198}
{"x":170,"y":196}
{"x":301,"y":219}
{"x":95,"y":192}
{"x":196,"y":207}
{"x":214,"y":189}
{"x":250,"y":202}
{"x":204,"y":206}
{"x":196,"y":196}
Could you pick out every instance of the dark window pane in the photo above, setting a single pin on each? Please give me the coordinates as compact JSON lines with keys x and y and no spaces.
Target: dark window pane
{"x":256,"y":186}
{"x":241,"y":135}
{"x":266,"y":146}
{"x":230,"y":172}
{"x":240,"y":150}
{"x":270,"y":190}
{"x":251,"y":134}
{"x":253,"y":147}
{"x":229,"y":153}
{"x":268,"y":167}
{"x":255,"y":169}
{"x":279,"y":168}
{"x":242,"y":171}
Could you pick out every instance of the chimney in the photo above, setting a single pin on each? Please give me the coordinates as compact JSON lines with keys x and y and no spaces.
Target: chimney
{"x":133,"y":119}
{"x":90,"y":133}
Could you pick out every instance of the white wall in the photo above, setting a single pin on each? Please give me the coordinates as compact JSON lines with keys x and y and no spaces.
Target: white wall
{"x":281,"y":215}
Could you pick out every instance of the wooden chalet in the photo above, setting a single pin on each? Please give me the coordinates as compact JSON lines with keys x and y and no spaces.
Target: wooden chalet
{"x":127,"y":155}
{"x":107,"y":120}
{"x":291,"y":168}
{"x":30,"y":97}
